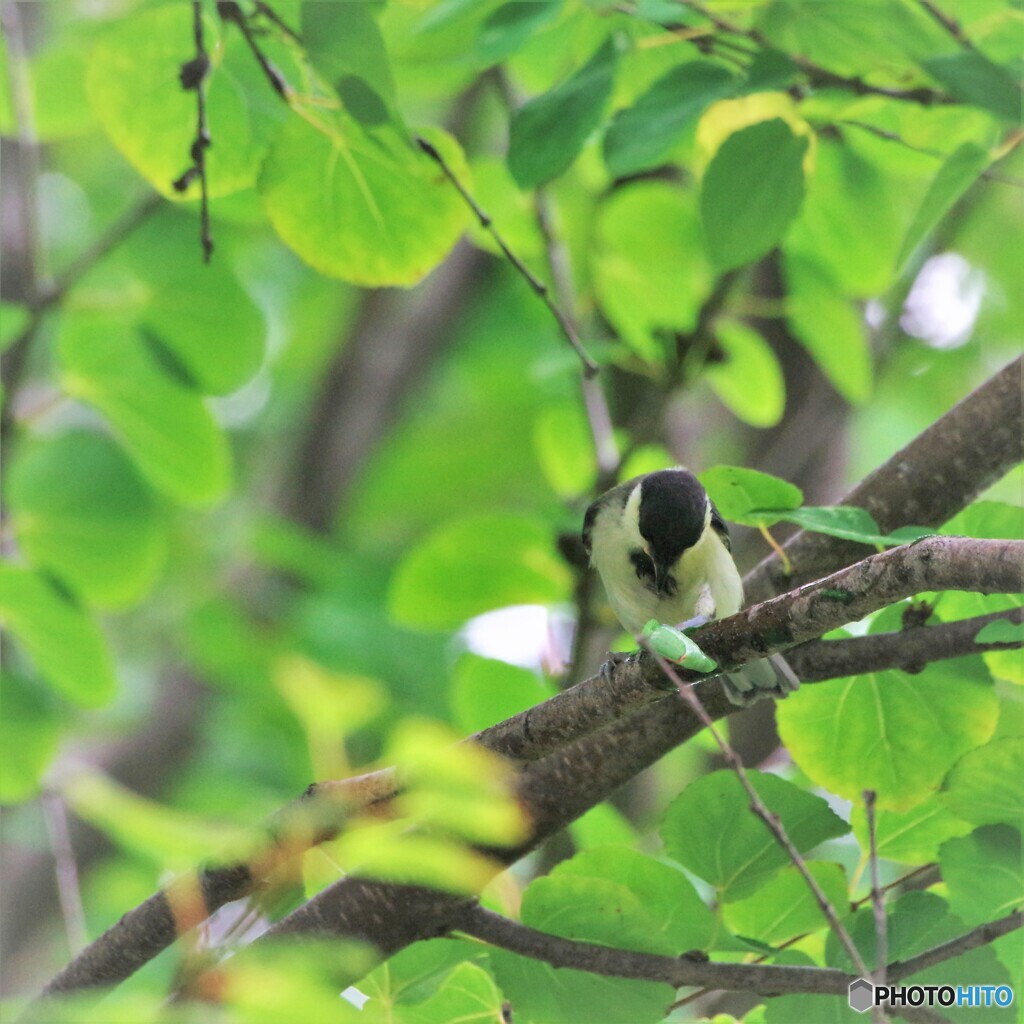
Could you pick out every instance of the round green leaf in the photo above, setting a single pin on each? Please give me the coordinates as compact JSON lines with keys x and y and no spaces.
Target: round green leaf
{"x":909,"y":837}
{"x":894,"y":733}
{"x":30,"y":731}
{"x":547,"y":133}
{"x":679,"y":920}
{"x":984,"y":873}
{"x":81,"y":512}
{"x":62,"y":639}
{"x":752,"y":190}
{"x":164,"y":425}
{"x":649,"y":273}
{"x":484,"y":691}
{"x":986,"y":786}
{"x":829,"y":328}
{"x":732,"y":849}
{"x":785,"y":906}
{"x":365,"y":206}
{"x":740,"y":493}
{"x":642,"y":135}
{"x":750,"y":380}
{"x":472,"y":565}
{"x":133,"y":87}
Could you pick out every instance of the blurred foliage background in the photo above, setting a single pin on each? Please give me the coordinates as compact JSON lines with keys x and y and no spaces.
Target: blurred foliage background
{"x":260,"y":512}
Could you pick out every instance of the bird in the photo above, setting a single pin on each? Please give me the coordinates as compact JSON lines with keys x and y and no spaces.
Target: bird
{"x":663,"y":552}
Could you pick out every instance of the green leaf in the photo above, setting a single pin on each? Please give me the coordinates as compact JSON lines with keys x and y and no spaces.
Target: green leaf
{"x":785,"y":906}
{"x":986,"y":786}
{"x":468,"y":995}
{"x":750,"y":380}
{"x":418,"y":971}
{"x":30,"y":729}
{"x":492,"y":560}
{"x":829,"y":328}
{"x":641,"y":136}
{"x":739,"y":493}
{"x":484,"y":691}
{"x":983,"y":872}
{"x":988,"y":520}
{"x":565,"y":449}
{"x":132,"y":85}
{"x":752,"y":190}
{"x":894,"y":733}
{"x":909,"y":837}
{"x":365,"y":206}
{"x":971,"y":77}
{"x":63,"y":641}
{"x":732,"y":849}
{"x":1000,"y":632}
{"x":197,"y":311}
{"x":678,"y":919}
{"x":166,"y":427}
{"x":547,"y":133}
{"x":345,"y":45}
{"x":602,"y":825}
{"x":850,"y":522}
{"x":649,"y":273}
{"x":13,"y":320}
{"x":80,"y":511}
{"x":954,"y":178}
{"x":544,"y":995}
{"x":510,"y":27}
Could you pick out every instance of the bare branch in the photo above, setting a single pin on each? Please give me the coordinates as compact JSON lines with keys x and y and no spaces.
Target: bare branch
{"x":877,"y":893}
{"x":951,"y":25}
{"x":980,"y":936}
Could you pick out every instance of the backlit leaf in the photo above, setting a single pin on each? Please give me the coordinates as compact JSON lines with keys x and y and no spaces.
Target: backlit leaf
{"x":986,"y":786}
{"x":750,"y":380}
{"x":739,"y":493}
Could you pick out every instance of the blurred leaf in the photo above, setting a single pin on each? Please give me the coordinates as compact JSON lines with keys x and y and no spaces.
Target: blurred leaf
{"x":785,"y":906}
{"x":828,"y":327}
{"x":750,"y":380}
{"x":602,"y":825}
{"x":912,"y":836}
{"x":739,"y":493}
{"x":984,"y":873}
{"x":960,"y":171}
{"x":642,"y":135}
{"x":511,"y":211}
{"x":678,"y":920}
{"x":63,"y":641}
{"x":475,"y":564}
{"x":869,"y":732}
{"x":508,"y":28}
{"x":649,"y":274}
{"x":461,"y":788}
{"x":132,"y":85}
{"x":80,"y":511}
{"x":166,"y":835}
{"x":850,"y":522}
{"x":565,"y":449}
{"x":365,"y":206}
{"x":733,"y":849}
{"x":30,"y":731}
{"x":547,"y":133}
{"x":13,"y":319}
{"x":416,"y":972}
{"x":986,"y":786}
{"x":484,"y":691}
{"x":345,"y":45}
{"x":971,"y":77}
{"x":165,"y":426}
{"x":752,"y":190}
{"x":1000,"y":632}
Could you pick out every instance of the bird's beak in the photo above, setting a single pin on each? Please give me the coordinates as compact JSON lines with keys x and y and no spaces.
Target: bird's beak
{"x":661,"y":576}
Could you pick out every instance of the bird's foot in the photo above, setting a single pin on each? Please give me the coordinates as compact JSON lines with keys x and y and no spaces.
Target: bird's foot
{"x":615,"y":658}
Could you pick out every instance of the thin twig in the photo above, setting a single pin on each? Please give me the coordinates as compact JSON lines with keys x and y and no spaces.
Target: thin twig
{"x":590,"y":368}
{"x":69,"y":892}
{"x":193,"y":77}
{"x":232,"y":12}
{"x":877,"y":901}
{"x":980,"y":936}
{"x":268,"y":12}
{"x":950,"y":24}
{"x":759,"y":808}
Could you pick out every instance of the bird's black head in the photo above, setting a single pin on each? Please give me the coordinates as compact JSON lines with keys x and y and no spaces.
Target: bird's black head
{"x":673,"y":509}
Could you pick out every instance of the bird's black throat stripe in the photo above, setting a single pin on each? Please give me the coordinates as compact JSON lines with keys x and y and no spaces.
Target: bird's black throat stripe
{"x":644,"y":568}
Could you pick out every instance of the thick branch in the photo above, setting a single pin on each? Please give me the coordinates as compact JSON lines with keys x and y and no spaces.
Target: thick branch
{"x":924,"y":484}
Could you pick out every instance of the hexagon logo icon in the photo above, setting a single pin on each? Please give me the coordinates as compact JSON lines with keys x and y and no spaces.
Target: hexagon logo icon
{"x":861,"y":995}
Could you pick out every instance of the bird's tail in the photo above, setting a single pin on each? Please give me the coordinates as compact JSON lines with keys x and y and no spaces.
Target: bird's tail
{"x":770,"y":677}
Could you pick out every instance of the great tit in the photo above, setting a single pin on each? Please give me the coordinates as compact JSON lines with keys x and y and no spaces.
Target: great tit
{"x":663,"y":552}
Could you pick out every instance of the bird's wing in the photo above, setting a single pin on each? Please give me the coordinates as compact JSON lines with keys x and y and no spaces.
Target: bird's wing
{"x":718,"y":525}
